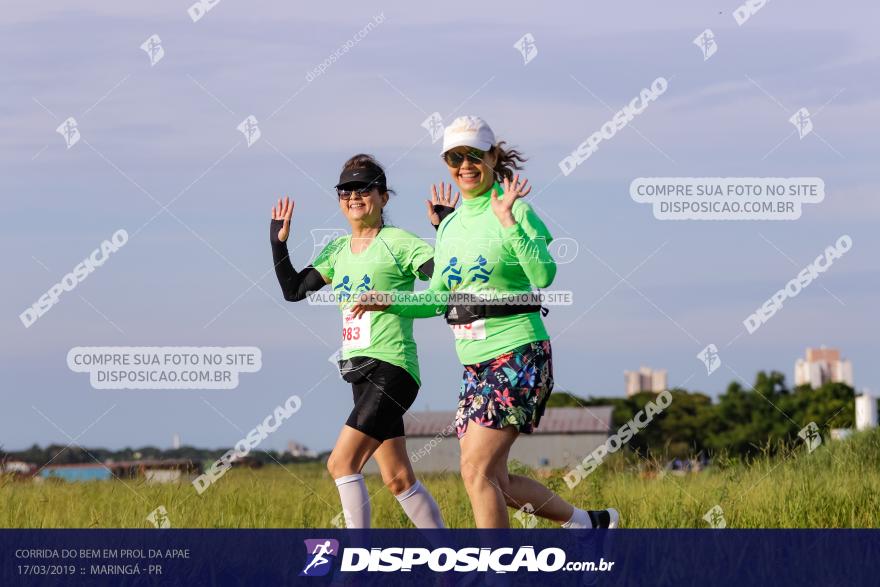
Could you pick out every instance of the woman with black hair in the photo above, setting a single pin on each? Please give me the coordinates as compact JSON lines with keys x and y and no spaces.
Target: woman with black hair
{"x":379,"y":356}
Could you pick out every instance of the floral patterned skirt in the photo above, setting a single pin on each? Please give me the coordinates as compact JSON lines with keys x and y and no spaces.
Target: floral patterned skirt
{"x":509,"y":390}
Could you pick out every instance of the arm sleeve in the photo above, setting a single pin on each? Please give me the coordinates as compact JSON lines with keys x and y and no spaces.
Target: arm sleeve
{"x":528,"y":239}
{"x":421,"y":304}
{"x":442,"y":211}
{"x":295,"y":285}
{"x":427,"y":268}
{"x":418,"y":255}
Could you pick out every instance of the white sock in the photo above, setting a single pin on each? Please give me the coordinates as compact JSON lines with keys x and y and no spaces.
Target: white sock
{"x":355,"y":501}
{"x":421,"y":507}
{"x":580,"y":519}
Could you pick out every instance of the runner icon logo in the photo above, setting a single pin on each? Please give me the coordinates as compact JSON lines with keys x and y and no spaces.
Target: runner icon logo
{"x":526,"y":516}
{"x":320,"y":554}
{"x":526,"y":47}
{"x":70,"y":131}
{"x":453,"y":280}
{"x":434,"y":125}
{"x":715,"y":518}
{"x":366,"y":284}
{"x":321,"y":237}
{"x":159,"y":517}
{"x":802,"y":122}
{"x":710,"y":358}
{"x":479,"y":270}
{"x":344,"y":288}
{"x":811,"y":436}
{"x":250,"y":128}
{"x":153,"y":48}
{"x":706,"y":42}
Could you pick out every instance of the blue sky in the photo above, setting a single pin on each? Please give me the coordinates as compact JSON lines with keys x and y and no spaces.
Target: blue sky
{"x":186,"y":278}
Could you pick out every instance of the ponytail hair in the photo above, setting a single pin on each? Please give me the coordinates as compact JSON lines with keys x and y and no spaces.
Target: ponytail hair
{"x":507,"y":161}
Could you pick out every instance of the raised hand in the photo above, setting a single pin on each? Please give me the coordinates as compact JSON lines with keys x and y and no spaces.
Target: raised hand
{"x":513,"y":190}
{"x":283,"y":211}
{"x":441,"y":197}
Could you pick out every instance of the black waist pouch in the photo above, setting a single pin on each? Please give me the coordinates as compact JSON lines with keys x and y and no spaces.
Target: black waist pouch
{"x":356,"y":369}
{"x":467,"y":308}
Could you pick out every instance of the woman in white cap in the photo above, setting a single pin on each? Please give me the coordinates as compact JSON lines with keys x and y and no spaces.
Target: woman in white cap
{"x":379,"y":356}
{"x":493,"y":244}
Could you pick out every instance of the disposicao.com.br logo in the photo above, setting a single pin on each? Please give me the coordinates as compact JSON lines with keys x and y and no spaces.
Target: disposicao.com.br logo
{"x":321,"y":553}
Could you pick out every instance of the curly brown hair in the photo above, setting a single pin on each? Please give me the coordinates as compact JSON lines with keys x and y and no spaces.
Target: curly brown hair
{"x":507,"y":160}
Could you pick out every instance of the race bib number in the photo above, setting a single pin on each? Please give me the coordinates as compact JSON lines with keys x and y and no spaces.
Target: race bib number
{"x":355,"y":331}
{"x":474,"y":331}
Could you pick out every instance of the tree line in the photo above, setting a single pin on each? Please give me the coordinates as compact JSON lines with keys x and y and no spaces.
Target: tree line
{"x":742,"y":422}
{"x":60,"y":454}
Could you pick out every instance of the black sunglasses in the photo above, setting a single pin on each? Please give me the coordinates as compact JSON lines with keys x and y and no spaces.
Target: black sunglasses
{"x":456,"y":158}
{"x":362,"y":192}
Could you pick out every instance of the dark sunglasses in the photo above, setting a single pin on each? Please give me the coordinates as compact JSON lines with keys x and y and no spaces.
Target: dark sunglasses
{"x":456,"y":158}
{"x":361,"y":192}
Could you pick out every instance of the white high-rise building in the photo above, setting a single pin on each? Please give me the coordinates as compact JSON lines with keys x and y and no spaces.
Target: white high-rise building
{"x":866,"y":411}
{"x":821,"y":366}
{"x":645,"y":379}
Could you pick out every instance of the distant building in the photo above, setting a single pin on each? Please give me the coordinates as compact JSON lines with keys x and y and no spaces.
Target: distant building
{"x":152,"y":471}
{"x":78,"y":472}
{"x":866,"y":411}
{"x":821,"y":366}
{"x":18,"y":468}
{"x":300,"y":450}
{"x":175,"y":441}
{"x":159,"y":470}
{"x":564,"y":437}
{"x":645,"y":379}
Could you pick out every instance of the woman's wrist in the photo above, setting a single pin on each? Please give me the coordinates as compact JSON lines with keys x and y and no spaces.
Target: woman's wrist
{"x":507,"y":220}
{"x":274,"y":227}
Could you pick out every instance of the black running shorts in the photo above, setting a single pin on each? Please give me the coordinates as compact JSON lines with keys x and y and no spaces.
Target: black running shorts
{"x":382,"y":394}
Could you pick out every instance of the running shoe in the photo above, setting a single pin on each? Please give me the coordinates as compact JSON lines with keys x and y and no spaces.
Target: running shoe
{"x":609,"y":518}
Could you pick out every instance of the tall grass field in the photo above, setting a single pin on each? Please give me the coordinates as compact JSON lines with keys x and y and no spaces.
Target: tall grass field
{"x":835,"y":486}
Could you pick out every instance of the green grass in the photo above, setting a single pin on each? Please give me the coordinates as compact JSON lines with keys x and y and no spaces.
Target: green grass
{"x":837,"y":486}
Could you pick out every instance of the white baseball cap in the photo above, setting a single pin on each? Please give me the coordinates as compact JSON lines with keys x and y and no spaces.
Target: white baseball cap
{"x":468,"y":131}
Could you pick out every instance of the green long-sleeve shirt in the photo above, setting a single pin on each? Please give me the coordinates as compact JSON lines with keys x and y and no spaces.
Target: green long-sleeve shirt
{"x":390,"y":263}
{"x":474,"y":253}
